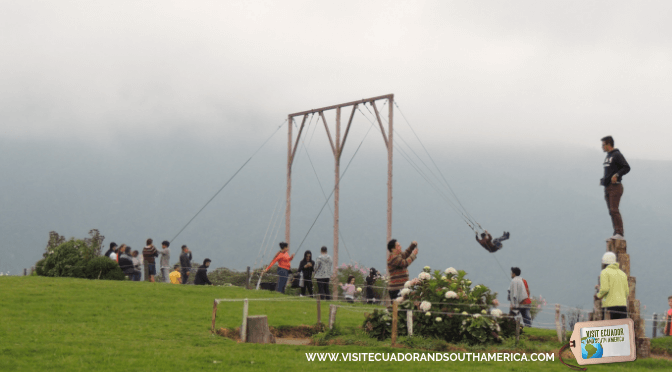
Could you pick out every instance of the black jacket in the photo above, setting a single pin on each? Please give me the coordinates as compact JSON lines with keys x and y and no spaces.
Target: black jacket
{"x":202,"y":276}
{"x":126,"y":264}
{"x":185,"y":260}
{"x":307,"y":271}
{"x":614,"y":163}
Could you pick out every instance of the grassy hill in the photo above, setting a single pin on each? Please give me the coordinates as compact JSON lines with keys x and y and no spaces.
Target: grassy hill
{"x":59,"y":324}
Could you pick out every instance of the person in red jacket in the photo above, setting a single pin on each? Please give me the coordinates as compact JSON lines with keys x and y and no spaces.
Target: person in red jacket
{"x":284,"y":265}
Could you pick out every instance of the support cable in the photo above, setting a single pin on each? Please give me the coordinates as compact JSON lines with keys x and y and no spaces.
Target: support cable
{"x":227,"y":182}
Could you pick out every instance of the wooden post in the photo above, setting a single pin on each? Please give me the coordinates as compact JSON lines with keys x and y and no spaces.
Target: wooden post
{"x":319,"y":311}
{"x":395,"y":311}
{"x":517,"y":330}
{"x":332,"y":315}
{"x":214,"y":315}
{"x":564,"y":329}
{"x":32,"y":270}
{"x":655,"y":325}
{"x":409,"y":322}
{"x":25,"y":272}
{"x":247,"y":282}
{"x":557,"y":322}
{"x":243,"y":327}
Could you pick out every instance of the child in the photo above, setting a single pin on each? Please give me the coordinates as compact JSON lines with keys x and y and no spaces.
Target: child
{"x":668,"y":320}
{"x":175,"y":276}
{"x":349,"y":289}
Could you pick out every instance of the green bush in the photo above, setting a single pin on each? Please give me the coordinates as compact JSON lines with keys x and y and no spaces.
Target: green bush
{"x":103,"y":268}
{"x":446,"y":307}
{"x":65,"y":260}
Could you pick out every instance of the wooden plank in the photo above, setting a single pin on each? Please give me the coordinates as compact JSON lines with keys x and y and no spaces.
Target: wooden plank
{"x":296,"y":144}
{"x":243,"y":327}
{"x":409,"y":322}
{"x":517,"y":330}
{"x":347,"y":130}
{"x":372,"y":99}
{"x":319,"y":311}
{"x":331,"y":141}
{"x":395,"y":313}
{"x":380,"y":124}
{"x":558,"y":329}
{"x":214,"y":315}
{"x":332,"y":315}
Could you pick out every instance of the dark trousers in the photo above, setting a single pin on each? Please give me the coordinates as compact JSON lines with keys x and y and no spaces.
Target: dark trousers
{"x":615,"y":312}
{"x":283,"y":275}
{"x":612,"y":194}
{"x":524,"y":311}
{"x":307,"y":284}
{"x":394,"y":294}
{"x":185,"y":275}
{"x":323,"y":288}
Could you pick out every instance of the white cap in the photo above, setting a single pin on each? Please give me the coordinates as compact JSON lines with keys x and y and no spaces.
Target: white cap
{"x":608,"y":258}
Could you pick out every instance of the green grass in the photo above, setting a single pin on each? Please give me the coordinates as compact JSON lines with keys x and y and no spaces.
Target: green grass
{"x":61,"y":324}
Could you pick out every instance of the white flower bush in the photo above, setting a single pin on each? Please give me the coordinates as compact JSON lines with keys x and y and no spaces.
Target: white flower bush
{"x":399,"y":299}
{"x":424,"y":276}
{"x":467,"y":320}
{"x":359,"y":289}
{"x":451,"y":294}
{"x":426,"y":268}
{"x":450,"y":270}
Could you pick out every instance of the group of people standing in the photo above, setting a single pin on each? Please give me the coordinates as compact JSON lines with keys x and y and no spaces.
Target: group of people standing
{"x":131,"y":263}
{"x":307,"y":267}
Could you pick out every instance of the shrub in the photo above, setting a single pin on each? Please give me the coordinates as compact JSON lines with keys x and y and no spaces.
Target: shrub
{"x":65,"y":260}
{"x":71,"y":258}
{"x":103,"y":268}
{"x":445,"y":306}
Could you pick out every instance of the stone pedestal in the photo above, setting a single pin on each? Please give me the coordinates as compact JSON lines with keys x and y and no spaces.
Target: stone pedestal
{"x":619,"y":247}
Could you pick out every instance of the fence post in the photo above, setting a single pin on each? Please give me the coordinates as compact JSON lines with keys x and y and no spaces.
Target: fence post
{"x":564,"y":329}
{"x":655,"y":325}
{"x":319,"y":311}
{"x":517,"y":330}
{"x":32,"y":270}
{"x":214,"y":315}
{"x":409,"y":322}
{"x":332,"y":315}
{"x":558,"y":330}
{"x":25,"y":272}
{"x":247,"y":282}
{"x":243,"y":328}
{"x":395,"y":311}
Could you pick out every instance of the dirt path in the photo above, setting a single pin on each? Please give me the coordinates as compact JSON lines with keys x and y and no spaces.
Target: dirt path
{"x":292,"y":341}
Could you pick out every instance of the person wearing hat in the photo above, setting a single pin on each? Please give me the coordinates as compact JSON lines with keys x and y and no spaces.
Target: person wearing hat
{"x":614,"y":289}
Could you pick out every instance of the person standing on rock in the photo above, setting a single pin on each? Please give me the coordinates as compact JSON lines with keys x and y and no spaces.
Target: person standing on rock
{"x":614,"y":288}
{"x":397,"y":265}
{"x":615,"y":167}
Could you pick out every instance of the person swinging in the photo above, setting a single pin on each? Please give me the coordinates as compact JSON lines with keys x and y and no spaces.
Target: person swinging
{"x":489,"y":244}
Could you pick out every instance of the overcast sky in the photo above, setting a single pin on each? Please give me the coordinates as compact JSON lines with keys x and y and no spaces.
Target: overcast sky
{"x":521,"y":73}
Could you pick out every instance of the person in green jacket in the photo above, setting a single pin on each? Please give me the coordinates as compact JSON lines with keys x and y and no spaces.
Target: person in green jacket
{"x":614,"y":289}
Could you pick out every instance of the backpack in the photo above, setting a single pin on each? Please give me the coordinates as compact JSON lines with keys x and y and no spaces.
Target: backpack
{"x":528,"y":300}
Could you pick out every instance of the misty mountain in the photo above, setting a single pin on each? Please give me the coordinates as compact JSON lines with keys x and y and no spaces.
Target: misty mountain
{"x":547,"y":197}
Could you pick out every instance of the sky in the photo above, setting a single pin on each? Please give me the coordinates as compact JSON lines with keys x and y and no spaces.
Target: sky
{"x":521,"y":73}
